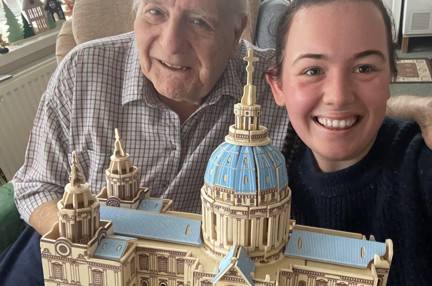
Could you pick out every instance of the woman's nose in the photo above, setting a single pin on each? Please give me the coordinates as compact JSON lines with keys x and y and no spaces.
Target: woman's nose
{"x":338,"y":90}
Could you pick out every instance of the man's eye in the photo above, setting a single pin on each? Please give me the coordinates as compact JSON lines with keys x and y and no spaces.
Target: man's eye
{"x":364,"y":69}
{"x":201,"y":23}
{"x":313,"y":71}
{"x":154,"y":12}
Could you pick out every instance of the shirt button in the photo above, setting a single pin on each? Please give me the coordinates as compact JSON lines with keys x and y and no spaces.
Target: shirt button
{"x":173,"y":147}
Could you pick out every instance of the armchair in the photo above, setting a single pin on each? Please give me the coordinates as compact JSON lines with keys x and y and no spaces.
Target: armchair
{"x":10,"y":223}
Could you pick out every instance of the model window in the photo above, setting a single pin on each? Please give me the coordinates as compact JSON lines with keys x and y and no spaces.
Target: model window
{"x":162,"y":264}
{"x":180,"y":266}
{"x":143,"y":262}
{"x":57,"y":271}
{"x":97,"y":278}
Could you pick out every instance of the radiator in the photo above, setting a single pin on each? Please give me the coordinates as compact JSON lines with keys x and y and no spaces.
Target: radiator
{"x":19,"y":99}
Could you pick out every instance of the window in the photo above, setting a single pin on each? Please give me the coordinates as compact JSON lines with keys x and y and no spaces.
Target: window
{"x":143,"y":261}
{"x":97,"y":276}
{"x":321,"y":282}
{"x":162,"y":264}
{"x":57,"y":271}
{"x":180,"y":266}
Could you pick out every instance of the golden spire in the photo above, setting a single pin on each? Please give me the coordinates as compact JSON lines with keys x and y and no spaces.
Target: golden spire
{"x":247,"y":130}
{"x":249,"y":90}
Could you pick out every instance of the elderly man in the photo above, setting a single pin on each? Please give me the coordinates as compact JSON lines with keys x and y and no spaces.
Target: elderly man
{"x":169,"y":87}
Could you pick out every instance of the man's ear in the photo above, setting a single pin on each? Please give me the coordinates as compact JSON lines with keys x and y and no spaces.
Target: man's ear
{"x":276,"y":87}
{"x":238,"y":32}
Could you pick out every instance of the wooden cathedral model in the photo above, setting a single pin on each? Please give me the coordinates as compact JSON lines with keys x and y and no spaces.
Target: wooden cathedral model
{"x":244,"y":235}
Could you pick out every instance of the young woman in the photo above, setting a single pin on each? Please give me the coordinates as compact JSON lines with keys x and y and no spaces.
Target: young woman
{"x":350,"y":168}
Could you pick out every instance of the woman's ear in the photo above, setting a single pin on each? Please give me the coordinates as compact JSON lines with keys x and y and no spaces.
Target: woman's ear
{"x":276,"y":87}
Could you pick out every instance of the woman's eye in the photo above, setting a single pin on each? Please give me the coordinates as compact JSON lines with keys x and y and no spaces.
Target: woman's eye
{"x":313,"y":71}
{"x":364,"y":69}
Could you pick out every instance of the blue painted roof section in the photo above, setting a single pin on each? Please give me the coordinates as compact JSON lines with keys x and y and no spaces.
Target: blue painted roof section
{"x":226,"y":153}
{"x":334,"y":249}
{"x":151,"y":205}
{"x":246,"y":169}
{"x":111,"y":249}
{"x":225,"y":264}
{"x":153,"y":226}
{"x":244,"y":176}
{"x":246,"y":266}
{"x":243,"y":263}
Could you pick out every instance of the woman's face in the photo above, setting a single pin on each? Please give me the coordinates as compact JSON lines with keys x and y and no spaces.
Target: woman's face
{"x":335,"y":80}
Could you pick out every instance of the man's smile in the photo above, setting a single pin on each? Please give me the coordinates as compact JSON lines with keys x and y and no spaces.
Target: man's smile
{"x":175,"y":67}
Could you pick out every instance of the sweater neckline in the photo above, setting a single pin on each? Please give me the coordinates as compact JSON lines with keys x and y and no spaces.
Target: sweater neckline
{"x":355,"y":177}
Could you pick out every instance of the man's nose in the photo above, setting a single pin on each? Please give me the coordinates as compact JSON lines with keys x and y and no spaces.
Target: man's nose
{"x":173,"y":36}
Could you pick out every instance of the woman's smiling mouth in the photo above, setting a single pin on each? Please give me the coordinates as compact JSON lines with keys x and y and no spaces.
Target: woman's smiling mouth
{"x":337,"y":123}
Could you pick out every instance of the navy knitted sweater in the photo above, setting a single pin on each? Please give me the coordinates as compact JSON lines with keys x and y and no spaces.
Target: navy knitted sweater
{"x":387,"y":194}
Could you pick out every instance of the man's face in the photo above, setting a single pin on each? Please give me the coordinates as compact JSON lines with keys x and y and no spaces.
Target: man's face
{"x":184,"y":46}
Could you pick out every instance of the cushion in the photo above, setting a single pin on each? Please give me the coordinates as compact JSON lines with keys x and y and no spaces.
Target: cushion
{"x":65,"y":40}
{"x":90,"y":20}
{"x":10,"y":223}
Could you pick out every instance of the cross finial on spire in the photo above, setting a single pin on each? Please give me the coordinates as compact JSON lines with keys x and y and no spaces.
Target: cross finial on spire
{"x":249,"y":89}
{"x":250,"y":68}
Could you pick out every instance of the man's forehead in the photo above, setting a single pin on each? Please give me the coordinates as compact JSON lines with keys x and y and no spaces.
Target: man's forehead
{"x":209,"y":8}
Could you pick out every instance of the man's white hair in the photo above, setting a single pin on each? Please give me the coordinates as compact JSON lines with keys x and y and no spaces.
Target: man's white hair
{"x":239,"y":6}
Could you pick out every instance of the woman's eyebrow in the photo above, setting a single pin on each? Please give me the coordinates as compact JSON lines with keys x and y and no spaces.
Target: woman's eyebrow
{"x":369,"y":53}
{"x":356,"y":56}
{"x":310,"y":56}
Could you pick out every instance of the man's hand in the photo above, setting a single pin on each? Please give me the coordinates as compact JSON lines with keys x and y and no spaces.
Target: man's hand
{"x":44,"y":217}
{"x":411,"y":107}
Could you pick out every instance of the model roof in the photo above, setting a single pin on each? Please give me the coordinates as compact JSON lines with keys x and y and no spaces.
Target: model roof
{"x":154,"y":226}
{"x":111,"y":248}
{"x":334,"y":249}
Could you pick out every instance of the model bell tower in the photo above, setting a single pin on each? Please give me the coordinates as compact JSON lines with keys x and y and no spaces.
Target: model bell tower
{"x":245,"y":197}
{"x":121,"y":176}
{"x":78,"y":209}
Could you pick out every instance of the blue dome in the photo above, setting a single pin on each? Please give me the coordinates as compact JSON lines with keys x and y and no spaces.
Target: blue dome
{"x":246,"y":169}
